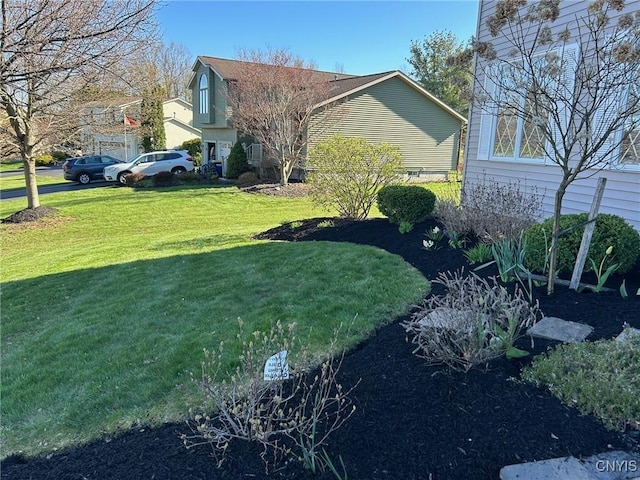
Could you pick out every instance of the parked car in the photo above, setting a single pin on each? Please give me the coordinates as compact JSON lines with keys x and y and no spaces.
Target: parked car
{"x":86,"y":168}
{"x":174,"y":161}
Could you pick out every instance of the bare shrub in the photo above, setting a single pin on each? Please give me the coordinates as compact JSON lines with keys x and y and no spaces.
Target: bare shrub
{"x":452,"y":216}
{"x":497,"y":211}
{"x":290,"y":416}
{"x":475,"y":321}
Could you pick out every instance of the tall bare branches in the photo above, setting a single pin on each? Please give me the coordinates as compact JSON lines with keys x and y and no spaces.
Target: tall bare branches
{"x":51,"y":50}
{"x":569,"y":93}
{"x":273,"y":99}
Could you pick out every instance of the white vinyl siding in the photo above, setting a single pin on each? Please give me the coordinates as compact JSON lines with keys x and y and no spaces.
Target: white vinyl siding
{"x":622,"y":192}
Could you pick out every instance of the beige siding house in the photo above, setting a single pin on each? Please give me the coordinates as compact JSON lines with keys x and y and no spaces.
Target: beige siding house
{"x":385,"y":107}
{"x":485,"y":152}
{"x":104,"y":130}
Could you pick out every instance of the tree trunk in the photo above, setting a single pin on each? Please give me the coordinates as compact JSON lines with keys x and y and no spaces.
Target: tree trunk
{"x":285,"y":171}
{"x":553,"y":253}
{"x":33,"y":198}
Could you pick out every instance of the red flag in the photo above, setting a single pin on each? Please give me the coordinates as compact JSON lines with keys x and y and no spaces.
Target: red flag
{"x":130,"y":122}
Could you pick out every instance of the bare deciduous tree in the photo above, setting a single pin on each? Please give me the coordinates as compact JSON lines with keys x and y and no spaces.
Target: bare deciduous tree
{"x":273,"y":98}
{"x":52,"y":49}
{"x":573,"y":95}
{"x":167,"y":65}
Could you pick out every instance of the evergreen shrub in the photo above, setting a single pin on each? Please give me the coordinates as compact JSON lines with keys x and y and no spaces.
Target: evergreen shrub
{"x":404,"y":204}
{"x":610,"y":231}
{"x":237,"y":161}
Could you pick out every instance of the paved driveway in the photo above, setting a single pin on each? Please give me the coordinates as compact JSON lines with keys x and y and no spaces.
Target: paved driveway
{"x":55,"y":172}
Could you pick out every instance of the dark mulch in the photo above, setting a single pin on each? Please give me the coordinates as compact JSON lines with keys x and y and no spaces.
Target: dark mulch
{"x":412,"y":421}
{"x":29,"y":215}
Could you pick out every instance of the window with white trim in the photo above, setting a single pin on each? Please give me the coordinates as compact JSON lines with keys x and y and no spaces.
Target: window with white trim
{"x":516,"y":137}
{"x":204,"y":94}
{"x":510,"y":126}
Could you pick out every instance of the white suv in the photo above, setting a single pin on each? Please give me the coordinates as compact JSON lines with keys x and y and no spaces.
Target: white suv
{"x":174,"y":161}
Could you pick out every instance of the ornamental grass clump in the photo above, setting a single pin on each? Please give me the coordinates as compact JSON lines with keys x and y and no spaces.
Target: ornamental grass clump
{"x":288,"y":409}
{"x":477,"y":320}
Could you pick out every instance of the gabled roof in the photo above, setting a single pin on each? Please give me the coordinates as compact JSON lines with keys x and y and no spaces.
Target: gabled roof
{"x":349,"y":86}
{"x":183,"y":125}
{"x":342,"y":84}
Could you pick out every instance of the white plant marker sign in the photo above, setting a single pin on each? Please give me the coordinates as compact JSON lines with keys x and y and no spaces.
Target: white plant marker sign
{"x":276,"y":367}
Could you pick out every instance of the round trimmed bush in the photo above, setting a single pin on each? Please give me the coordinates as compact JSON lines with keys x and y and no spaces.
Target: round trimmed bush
{"x":406,"y":203}
{"x":611,"y":231}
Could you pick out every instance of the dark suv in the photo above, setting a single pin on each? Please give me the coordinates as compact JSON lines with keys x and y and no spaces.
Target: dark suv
{"x":87,"y":168}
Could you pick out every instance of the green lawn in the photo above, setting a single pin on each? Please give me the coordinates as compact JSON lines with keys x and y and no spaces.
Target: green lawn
{"x":107,"y":306}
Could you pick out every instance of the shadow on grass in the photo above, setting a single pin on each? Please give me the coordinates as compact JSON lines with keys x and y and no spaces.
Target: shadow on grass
{"x":90,"y":351}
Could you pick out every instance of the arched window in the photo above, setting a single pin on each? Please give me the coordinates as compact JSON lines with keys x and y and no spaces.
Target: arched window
{"x":204,"y":94}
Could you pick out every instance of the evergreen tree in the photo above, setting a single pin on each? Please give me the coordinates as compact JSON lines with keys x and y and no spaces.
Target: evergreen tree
{"x":449,"y":81}
{"x":153,"y":134}
{"x":237,"y":161}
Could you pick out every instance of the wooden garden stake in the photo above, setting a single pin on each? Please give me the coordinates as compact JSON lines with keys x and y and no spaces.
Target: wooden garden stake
{"x":586,"y":236}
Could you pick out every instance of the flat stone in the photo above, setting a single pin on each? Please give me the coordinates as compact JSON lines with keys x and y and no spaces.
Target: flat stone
{"x":553,"y":328}
{"x":627,"y":333}
{"x":450,"y":319}
{"x":565,"y":468}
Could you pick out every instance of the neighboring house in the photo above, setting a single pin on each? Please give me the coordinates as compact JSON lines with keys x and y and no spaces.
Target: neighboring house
{"x":384,"y":107}
{"x":497,"y":147}
{"x":112,"y":127}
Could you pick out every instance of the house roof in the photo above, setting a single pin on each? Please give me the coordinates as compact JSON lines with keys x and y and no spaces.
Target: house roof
{"x":183,"y":125}
{"x":229,"y":69}
{"x":126,"y":101}
{"x":342,"y":84}
{"x":114,"y":102}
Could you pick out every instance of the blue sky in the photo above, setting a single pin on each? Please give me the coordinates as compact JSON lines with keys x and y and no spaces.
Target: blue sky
{"x":357,"y":37}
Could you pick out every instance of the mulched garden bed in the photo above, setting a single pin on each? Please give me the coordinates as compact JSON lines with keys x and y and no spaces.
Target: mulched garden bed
{"x":412,"y":421}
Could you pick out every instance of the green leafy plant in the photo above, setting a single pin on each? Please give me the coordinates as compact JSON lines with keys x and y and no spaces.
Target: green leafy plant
{"x":436,"y":234}
{"x":237,"y":161}
{"x":456,"y":240}
{"x":406,"y":204}
{"x":326,"y":224}
{"x":601,"y":275}
{"x":193,"y":146}
{"x":405,"y":227}
{"x":347,"y":173}
{"x":509,"y":257}
{"x":478,"y":254}
{"x":295,"y":224}
{"x":610,"y":230}
{"x":599,"y":378}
